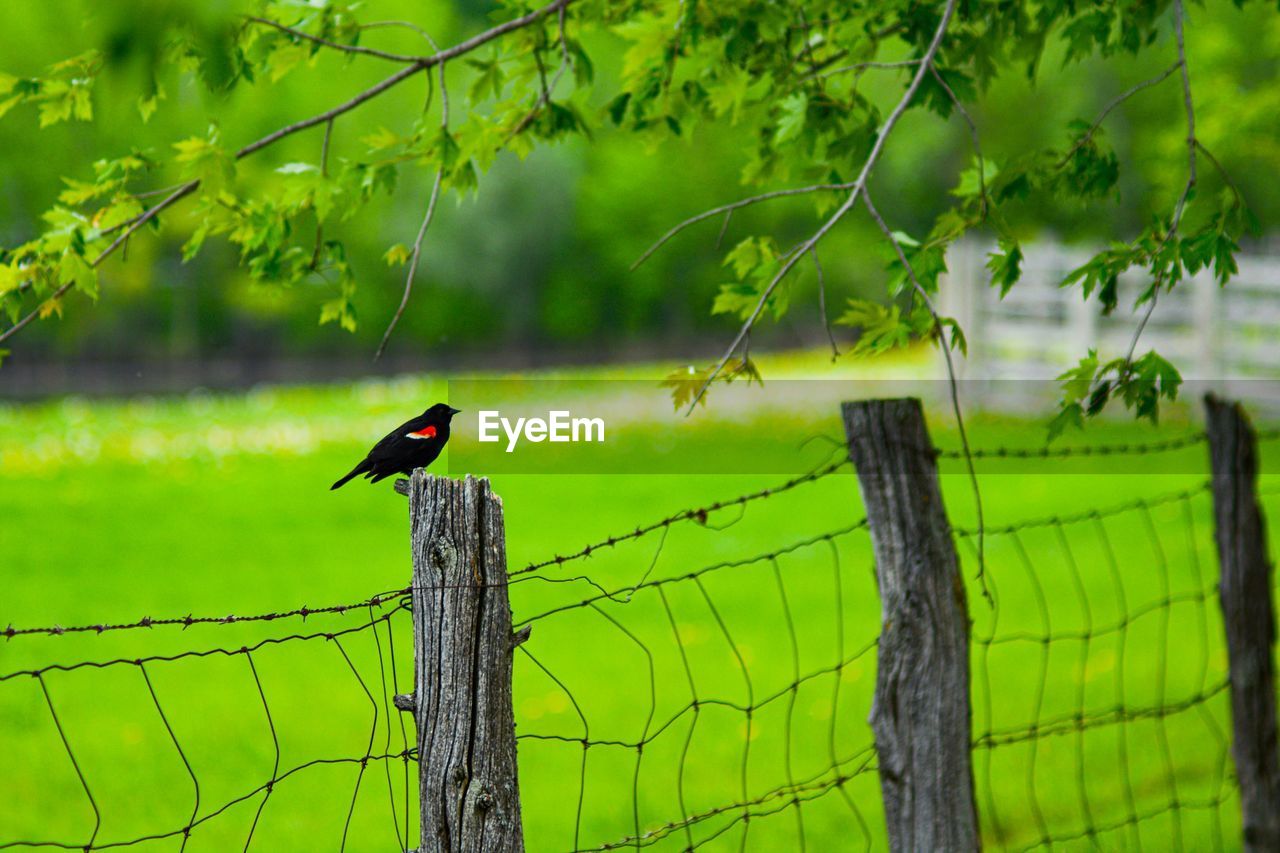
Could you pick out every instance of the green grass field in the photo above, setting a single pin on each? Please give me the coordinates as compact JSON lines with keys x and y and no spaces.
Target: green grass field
{"x":212,"y":505}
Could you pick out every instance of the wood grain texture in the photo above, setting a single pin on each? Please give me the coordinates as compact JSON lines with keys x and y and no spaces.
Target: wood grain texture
{"x":921,"y":712}
{"x":468,"y":788}
{"x":1248,"y":616}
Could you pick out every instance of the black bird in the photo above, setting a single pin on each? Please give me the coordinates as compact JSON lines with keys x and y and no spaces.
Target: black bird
{"x":414,"y":444}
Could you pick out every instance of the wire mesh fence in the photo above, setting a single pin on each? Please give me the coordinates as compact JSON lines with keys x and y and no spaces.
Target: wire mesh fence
{"x":206,"y":739}
{"x":702,"y":681}
{"x":1100,"y":681}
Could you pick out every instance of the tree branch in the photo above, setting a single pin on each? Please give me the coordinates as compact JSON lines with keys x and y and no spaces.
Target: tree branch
{"x":173,"y":197}
{"x":858,"y":188}
{"x":440,"y":57}
{"x":460,"y":49}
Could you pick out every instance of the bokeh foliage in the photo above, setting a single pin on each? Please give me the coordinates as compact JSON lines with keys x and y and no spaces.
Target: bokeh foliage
{"x":572,"y":143}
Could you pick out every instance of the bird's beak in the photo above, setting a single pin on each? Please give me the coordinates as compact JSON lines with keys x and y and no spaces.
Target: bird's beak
{"x":453,"y":411}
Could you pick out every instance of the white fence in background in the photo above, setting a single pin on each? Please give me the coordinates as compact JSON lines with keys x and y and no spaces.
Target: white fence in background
{"x":1212,"y":334}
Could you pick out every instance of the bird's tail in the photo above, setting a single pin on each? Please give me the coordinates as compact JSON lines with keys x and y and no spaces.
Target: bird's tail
{"x":359,"y":469}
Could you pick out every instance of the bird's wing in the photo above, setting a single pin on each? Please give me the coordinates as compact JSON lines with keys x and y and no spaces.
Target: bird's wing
{"x":392,"y":441}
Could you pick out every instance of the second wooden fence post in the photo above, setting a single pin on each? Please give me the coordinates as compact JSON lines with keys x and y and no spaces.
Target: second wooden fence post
{"x":468,"y":790}
{"x":1248,"y":617}
{"x":921,"y":712}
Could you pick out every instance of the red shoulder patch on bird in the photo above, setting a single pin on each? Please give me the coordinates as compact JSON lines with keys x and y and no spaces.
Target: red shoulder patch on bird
{"x":425,"y":432}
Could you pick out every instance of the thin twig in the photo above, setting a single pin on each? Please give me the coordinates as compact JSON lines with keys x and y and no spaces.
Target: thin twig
{"x":1222,"y":172}
{"x":858,"y":188}
{"x":426,"y":218}
{"x":345,"y":48}
{"x":544,"y":97}
{"x":973,"y":134}
{"x":730,"y":208}
{"x":408,"y":25}
{"x":861,"y":66}
{"x":807,"y":50}
{"x":1181,"y":206}
{"x":151,"y":193}
{"x":324,"y":173}
{"x":945,"y":345}
{"x":724,"y":229}
{"x":822,"y":303}
{"x":1115,"y":102}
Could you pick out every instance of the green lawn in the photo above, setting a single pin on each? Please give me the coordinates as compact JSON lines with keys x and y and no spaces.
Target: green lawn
{"x":212,"y":505}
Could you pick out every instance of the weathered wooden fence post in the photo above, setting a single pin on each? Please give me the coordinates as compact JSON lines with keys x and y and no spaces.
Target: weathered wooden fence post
{"x":1248,"y":616}
{"x":921,"y":713}
{"x":469,"y":796}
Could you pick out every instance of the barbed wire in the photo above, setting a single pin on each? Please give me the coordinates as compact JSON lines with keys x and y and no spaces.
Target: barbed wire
{"x":189,"y":620}
{"x":1088,"y":514}
{"x":1123,"y":448}
{"x":698,"y":514}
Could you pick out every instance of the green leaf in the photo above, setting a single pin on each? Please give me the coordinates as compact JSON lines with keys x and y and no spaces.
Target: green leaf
{"x":147,"y":104}
{"x":617,"y":108}
{"x":791,"y":122}
{"x":1005,"y":265}
{"x":285,"y":58}
{"x":121,"y":209}
{"x":381,"y":139}
{"x":75,"y":270}
{"x":882,"y":326}
{"x":972,"y":180}
{"x":205,"y":159}
{"x":398,"y":255}
{"x":10,"y":277}
{"x":1077,"y":381}
{"x":78,"y":192}
{"x":9,"y":103}
{"x":489,"y":80}
{"x":685,"y":384}
{"x":750,"y":254}
{"x":728,"y":94}
{"x":736,"y":298}
{"x":1070,"y":415}
{"x":957,"y":341}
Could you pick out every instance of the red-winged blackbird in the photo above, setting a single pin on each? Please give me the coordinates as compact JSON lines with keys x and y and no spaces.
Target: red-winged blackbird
{"x":413,"y":444}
